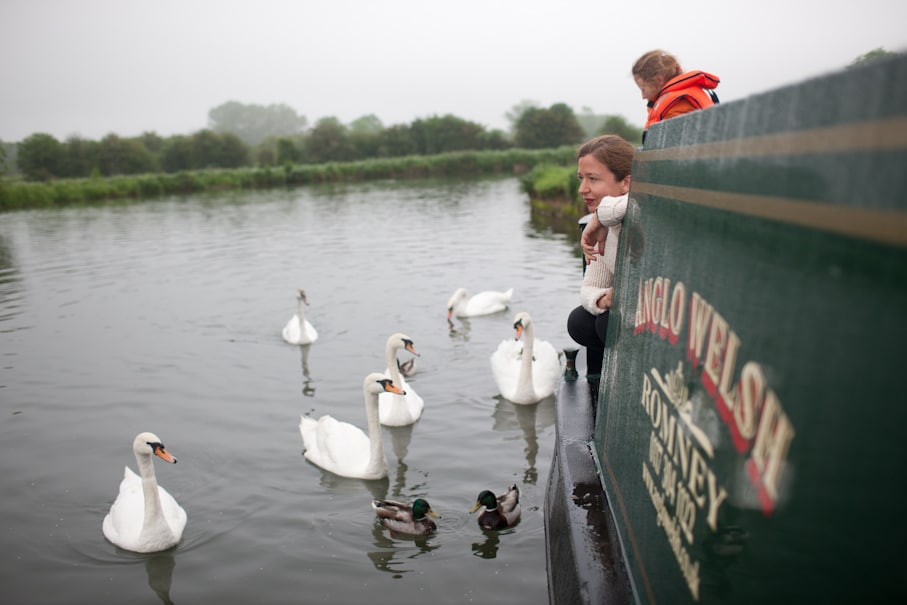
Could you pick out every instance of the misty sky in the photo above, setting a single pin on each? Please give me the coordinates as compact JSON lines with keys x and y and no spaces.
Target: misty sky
{"x":94,"y":67}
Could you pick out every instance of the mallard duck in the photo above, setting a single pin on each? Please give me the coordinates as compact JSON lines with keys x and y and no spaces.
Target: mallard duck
{"x":405,"y":518}
{"x":298,"y":330}
{"x":483,"y":303}
{"x":408,"y":367}
{"x":344,"y":449}
{"x":145,"y":517}
{"x":526,"y":372}
{"x":500,"y":511}
{"x":399,"y":410}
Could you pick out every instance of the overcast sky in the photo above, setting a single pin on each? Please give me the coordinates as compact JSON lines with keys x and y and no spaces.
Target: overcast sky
{"x":94,"y":67}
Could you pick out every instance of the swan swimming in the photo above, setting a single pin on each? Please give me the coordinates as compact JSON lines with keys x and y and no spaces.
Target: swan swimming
{"x":483,"y":303}
{"x":528,"y":372}
{"x":298,"y":330}
{"x":399,"y":410}
{"x":145,"y":517}
{"x":343,"y":449}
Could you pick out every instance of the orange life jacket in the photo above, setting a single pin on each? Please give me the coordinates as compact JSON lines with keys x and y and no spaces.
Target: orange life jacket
{"x":693,"y":86}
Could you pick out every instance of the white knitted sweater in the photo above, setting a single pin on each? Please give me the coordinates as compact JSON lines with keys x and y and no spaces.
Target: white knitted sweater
{"x":599,"y":276}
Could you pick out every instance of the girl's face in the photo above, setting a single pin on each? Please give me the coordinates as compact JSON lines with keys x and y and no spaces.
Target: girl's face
{"x":649,"y":88}
{"x":597,"y":181}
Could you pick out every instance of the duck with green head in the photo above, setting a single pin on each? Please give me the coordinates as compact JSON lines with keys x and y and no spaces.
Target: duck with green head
{"x":412,"y":519}
{"x":501,"y":511}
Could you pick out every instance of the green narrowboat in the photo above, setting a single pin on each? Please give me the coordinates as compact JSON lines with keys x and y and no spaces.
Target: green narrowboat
{"x":747,"y":446}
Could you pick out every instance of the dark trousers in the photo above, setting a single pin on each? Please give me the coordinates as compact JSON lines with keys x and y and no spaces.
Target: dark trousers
{"x":589,"y":331}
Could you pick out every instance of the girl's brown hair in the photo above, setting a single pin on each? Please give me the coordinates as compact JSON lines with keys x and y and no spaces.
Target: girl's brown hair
{"x":656,"y":64}
{"x":612,"y":151}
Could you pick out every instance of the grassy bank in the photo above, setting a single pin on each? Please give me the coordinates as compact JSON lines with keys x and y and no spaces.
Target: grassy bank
{"x":16,"y":195}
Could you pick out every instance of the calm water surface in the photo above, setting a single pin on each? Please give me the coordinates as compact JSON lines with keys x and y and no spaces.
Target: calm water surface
{"x":165,"y":316}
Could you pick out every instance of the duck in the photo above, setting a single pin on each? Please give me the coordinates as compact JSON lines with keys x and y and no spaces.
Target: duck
{"x":393,"y":409}
{"x":298,"y":330}
{"x":408,"y":367}
{"x":145,"y":518}
{"x":404,"y":518}
{"x":529,"y":372}
{"x":501,"y":511}
{"x":344,"y":449}
{"x":483,"y":303}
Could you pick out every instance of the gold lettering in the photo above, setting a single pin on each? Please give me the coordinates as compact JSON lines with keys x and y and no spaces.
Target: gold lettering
{"x":700,"y":316}
{"x":772,"y":441}
{"x":752,"y":392}
{"x":713,"y":355}
{"x":678,"y":300}
{"x":717,"y":495}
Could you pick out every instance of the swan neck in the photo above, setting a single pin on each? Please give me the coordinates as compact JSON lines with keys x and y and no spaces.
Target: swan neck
{"x":376,"y":447}
{"x":301,"y":310}
{"x":150,"y":490}
{"x":390,"y":354}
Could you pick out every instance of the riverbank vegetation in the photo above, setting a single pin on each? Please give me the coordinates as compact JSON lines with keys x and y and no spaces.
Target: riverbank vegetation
{"x":21,"y":194}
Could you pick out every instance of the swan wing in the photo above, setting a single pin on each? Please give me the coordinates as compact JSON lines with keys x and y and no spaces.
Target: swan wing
{"x":292,"y":332}
{"x":123,"y":525}
{"x":547,"y":368}
{"x":335,"y":446}
{"x":400,"y":410}
{"x":310,"y":334}
{"x":487,"y":302}
{"x":505,"y":366}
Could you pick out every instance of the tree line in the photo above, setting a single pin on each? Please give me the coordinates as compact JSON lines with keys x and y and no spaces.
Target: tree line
{"x":240,"y":135}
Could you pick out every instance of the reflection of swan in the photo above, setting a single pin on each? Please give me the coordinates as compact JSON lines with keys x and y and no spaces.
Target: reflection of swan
{"x":298,"y":330}
{"x":406,"y":518}
{"x":342,"y":448}
{"x":530,"y":419}
{"x":399,"y":410}
{"x":529,"y":372}
{"x":145,"y":517}
{"x":159,"y":567}
{"x":307,"y":387}
{"x":483,"y":303}
{"x":500,"y":511}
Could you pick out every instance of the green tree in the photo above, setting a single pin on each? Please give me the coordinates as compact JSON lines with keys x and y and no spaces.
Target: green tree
{"x":516,"y":112}
{"x":873,"y":55}
{"x":328,"y":141}
{"x":81,"y":156}
{"x":286,"y":151}
{"x":618,"y":125}
{"x":254,"y":123}
{"x":446,"y":133}
{"x":176,"y":154}
{"x":366,"y":124}
{"x":209,"y":149}
{"x":396,"y":141}
{"x":548,"y":128}
{"x":124,"y":156}
{"x":42,"y":157}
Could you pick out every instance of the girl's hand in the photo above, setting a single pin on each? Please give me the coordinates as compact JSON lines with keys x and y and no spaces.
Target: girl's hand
{"x":604,"y":301}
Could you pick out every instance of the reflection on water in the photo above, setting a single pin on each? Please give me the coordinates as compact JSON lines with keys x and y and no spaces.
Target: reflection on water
{"x":308,"y":386}
{"x":394,"y":554}
{"x":159,"y":567}
{"x":489,"y":548}
{"x":529,"y":419}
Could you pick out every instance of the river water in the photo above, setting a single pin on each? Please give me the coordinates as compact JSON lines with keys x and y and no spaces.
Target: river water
{"x":165,"y":316}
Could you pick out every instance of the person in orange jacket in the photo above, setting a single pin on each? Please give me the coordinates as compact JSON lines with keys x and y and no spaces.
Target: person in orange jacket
{"x":669,"y":90}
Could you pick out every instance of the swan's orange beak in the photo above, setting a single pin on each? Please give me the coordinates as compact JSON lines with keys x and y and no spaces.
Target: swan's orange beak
{"x":449,"y":313}
{"x":412,"y":349}
{"x":519,"y":330}
{"x":390,"y":387}
{"x":161,"y":452}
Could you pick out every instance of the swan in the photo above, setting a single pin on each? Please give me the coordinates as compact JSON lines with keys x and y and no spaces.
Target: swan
{"x":406,"y":518}
{"x":500,"y":511}
{"x":145,"y":517}
{"x":343,"y":449}
{"x":298,"y":330}
{"x":483,"y":303}
{"x":393,"y":409}
{"x":527,"y":373}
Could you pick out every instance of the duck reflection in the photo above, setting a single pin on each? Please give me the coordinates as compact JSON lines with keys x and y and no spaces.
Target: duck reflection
{"x":159,"y":567}
{"x":529,"y":419}
{"x":461,"y":331}
{"x":392,"y":553}
{"x":308,"y":387}
{"x":489,"y":548}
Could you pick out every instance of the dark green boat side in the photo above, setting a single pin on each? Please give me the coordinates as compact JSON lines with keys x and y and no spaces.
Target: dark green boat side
{"x":749,"y":441}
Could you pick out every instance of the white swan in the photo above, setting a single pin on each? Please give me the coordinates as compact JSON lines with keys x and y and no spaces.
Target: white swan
{"x":393,"y":409}
{"x":342,"y":448}
{"x":144,"y":517}
{"x":483,"y":303}
{"x":298,"y":330}
{"x":527,"y":372}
